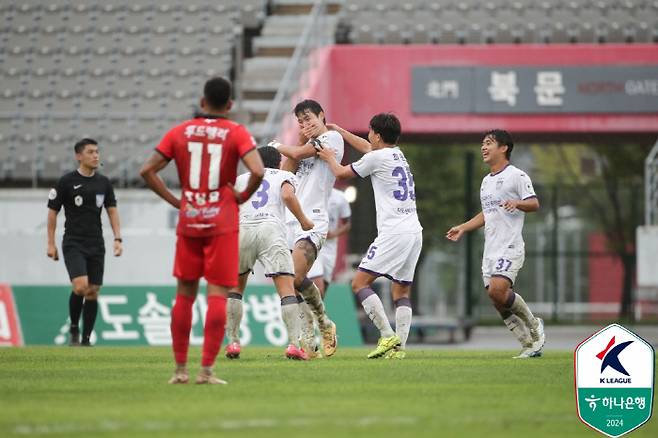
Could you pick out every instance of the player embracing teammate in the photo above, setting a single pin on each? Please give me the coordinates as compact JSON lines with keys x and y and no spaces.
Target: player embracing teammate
{"x":314,"y":185}
{"x":395,"y":252}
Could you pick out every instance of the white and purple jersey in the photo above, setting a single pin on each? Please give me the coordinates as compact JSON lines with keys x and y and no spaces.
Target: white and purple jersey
{"x":265,"y":205}
{"x":393,"y":186}
{"x":339,"y":209}
{"x":315,"y":180}
{"x":502,"y":229}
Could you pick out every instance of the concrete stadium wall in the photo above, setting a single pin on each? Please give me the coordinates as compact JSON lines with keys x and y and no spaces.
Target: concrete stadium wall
{"x":148,"y":230}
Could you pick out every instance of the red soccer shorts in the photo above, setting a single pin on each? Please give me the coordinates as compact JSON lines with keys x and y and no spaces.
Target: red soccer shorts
{"x":213,"y":257}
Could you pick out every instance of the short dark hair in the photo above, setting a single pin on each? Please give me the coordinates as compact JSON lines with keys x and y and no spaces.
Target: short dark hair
{"x":217,"y":92}
{"x":502,"y":137}
{"x":387,"y":125}
{"x":310,"y":105}
{"x":80,"y":146}
{"x":270,"y":156}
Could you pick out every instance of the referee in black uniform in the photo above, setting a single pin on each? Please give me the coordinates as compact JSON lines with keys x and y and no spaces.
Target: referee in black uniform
{"x":83,"y":193}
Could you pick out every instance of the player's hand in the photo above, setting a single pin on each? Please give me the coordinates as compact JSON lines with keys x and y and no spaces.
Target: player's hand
{"x":302,"y":139}
{"x":52,"y":252}
{"x":326,"y":154}
{"x":237,"y":194}
{"x":511,"y":205}
{"x":118,"y":248}
{"x":309,"y":132}
{"x":307,"y":224}
{"x":455,"y":233}
{"x":333,"y":126}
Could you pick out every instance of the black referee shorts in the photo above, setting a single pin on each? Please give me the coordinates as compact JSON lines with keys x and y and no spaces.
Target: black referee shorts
{"x":84,"y":257}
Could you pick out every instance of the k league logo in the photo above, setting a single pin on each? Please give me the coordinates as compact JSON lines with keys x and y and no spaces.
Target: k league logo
{"x":614,"y":375}
{"x":610,"y":358}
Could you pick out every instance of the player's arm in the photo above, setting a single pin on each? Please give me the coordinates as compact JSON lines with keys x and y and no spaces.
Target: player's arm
{"x":254,"y":165}
{"x":360,"y":144}
{"x":149,"y":172}
{"x":339,"y":171}
{"x":456,"y":232}
{"x":296,"y":153}
{"x":344,"y":227}
{"x":115,"y":223}
{"x":52,"y":225}
{"x":526,"y":205}
{"x":292,"y":203}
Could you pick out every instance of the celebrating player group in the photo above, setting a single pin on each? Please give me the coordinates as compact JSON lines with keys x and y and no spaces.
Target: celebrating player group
{"x":278,"y":213}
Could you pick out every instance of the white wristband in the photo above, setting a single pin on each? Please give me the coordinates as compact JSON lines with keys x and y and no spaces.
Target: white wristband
{"x":275,"y":144}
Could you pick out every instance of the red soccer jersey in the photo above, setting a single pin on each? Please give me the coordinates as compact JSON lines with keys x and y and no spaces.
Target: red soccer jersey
{"x":206,"y":152}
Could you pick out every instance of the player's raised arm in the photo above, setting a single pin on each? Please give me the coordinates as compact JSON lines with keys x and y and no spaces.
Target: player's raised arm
{"x":292,"y":203}
{"x":359,"y":143}
{"x":456,"y":232}
{"x":149,"y":172}
{"x":295,"y":153}
{"x":340,"y":171}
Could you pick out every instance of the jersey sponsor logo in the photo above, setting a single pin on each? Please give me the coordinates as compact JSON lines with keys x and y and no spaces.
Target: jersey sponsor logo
{"x":99,"y":200}
{"x":209,"y":212}
{"x":77,"y":186}
{"x":52,"y":195}
{"x":499,"y":184}
{"x":78,"y":200}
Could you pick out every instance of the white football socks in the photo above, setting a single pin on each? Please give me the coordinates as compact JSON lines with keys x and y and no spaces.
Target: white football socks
{"x":403,"y":324}
{"x":375,"y":311}
{"x":290,"y":316}
{"x":521,"y":309}
{"x":233,"y":318}
{"x":518,"y":327}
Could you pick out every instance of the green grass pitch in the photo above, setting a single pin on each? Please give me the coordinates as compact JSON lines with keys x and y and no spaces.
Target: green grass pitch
{"x":61,"y":391}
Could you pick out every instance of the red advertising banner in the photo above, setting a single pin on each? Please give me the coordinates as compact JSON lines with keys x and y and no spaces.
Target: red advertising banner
{"x":358,"y":81}
{"x":10,"y":328}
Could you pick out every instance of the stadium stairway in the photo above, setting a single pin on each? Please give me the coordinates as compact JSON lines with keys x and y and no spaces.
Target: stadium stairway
{"x":272,"y":51}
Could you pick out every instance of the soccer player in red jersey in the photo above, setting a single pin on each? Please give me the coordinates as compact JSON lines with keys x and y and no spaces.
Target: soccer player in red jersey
{"x":206,"y":150}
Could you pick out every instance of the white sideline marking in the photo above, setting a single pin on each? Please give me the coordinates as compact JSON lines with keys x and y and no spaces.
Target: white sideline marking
{"x":254,"y":423}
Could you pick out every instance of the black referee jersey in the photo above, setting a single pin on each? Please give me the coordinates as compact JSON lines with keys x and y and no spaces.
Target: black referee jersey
{"x":83,"y":198}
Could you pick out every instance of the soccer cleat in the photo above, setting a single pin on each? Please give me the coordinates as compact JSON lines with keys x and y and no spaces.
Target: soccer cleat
{"x":329,"y":340}
{"x":85,"y":342}
{"x":396,"y":353}
{"x":233,"y":351}
{"x":310,"y":347}
{"x":528,"y":353}
{"x":207,"y":377}
{"x":384,"y":346}
{"x":180,"y":377}
{"x":538,"y":337}
{"x":74,"y":337}
{"x":296,"y":353}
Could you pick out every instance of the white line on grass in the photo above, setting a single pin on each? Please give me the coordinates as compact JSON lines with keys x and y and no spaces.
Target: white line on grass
{"x":254,"y":423}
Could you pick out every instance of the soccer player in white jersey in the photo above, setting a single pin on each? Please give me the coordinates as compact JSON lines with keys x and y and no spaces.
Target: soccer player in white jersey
{"x":395,"y":251}
{"x":506,"y":194}
{"x":314,"y":184}
{"x":322,"y":270}
{"x":263,"y":238}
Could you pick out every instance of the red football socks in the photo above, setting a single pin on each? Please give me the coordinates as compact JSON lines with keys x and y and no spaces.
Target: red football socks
{"x":181,"y":324}
{"x":213,"y":332}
